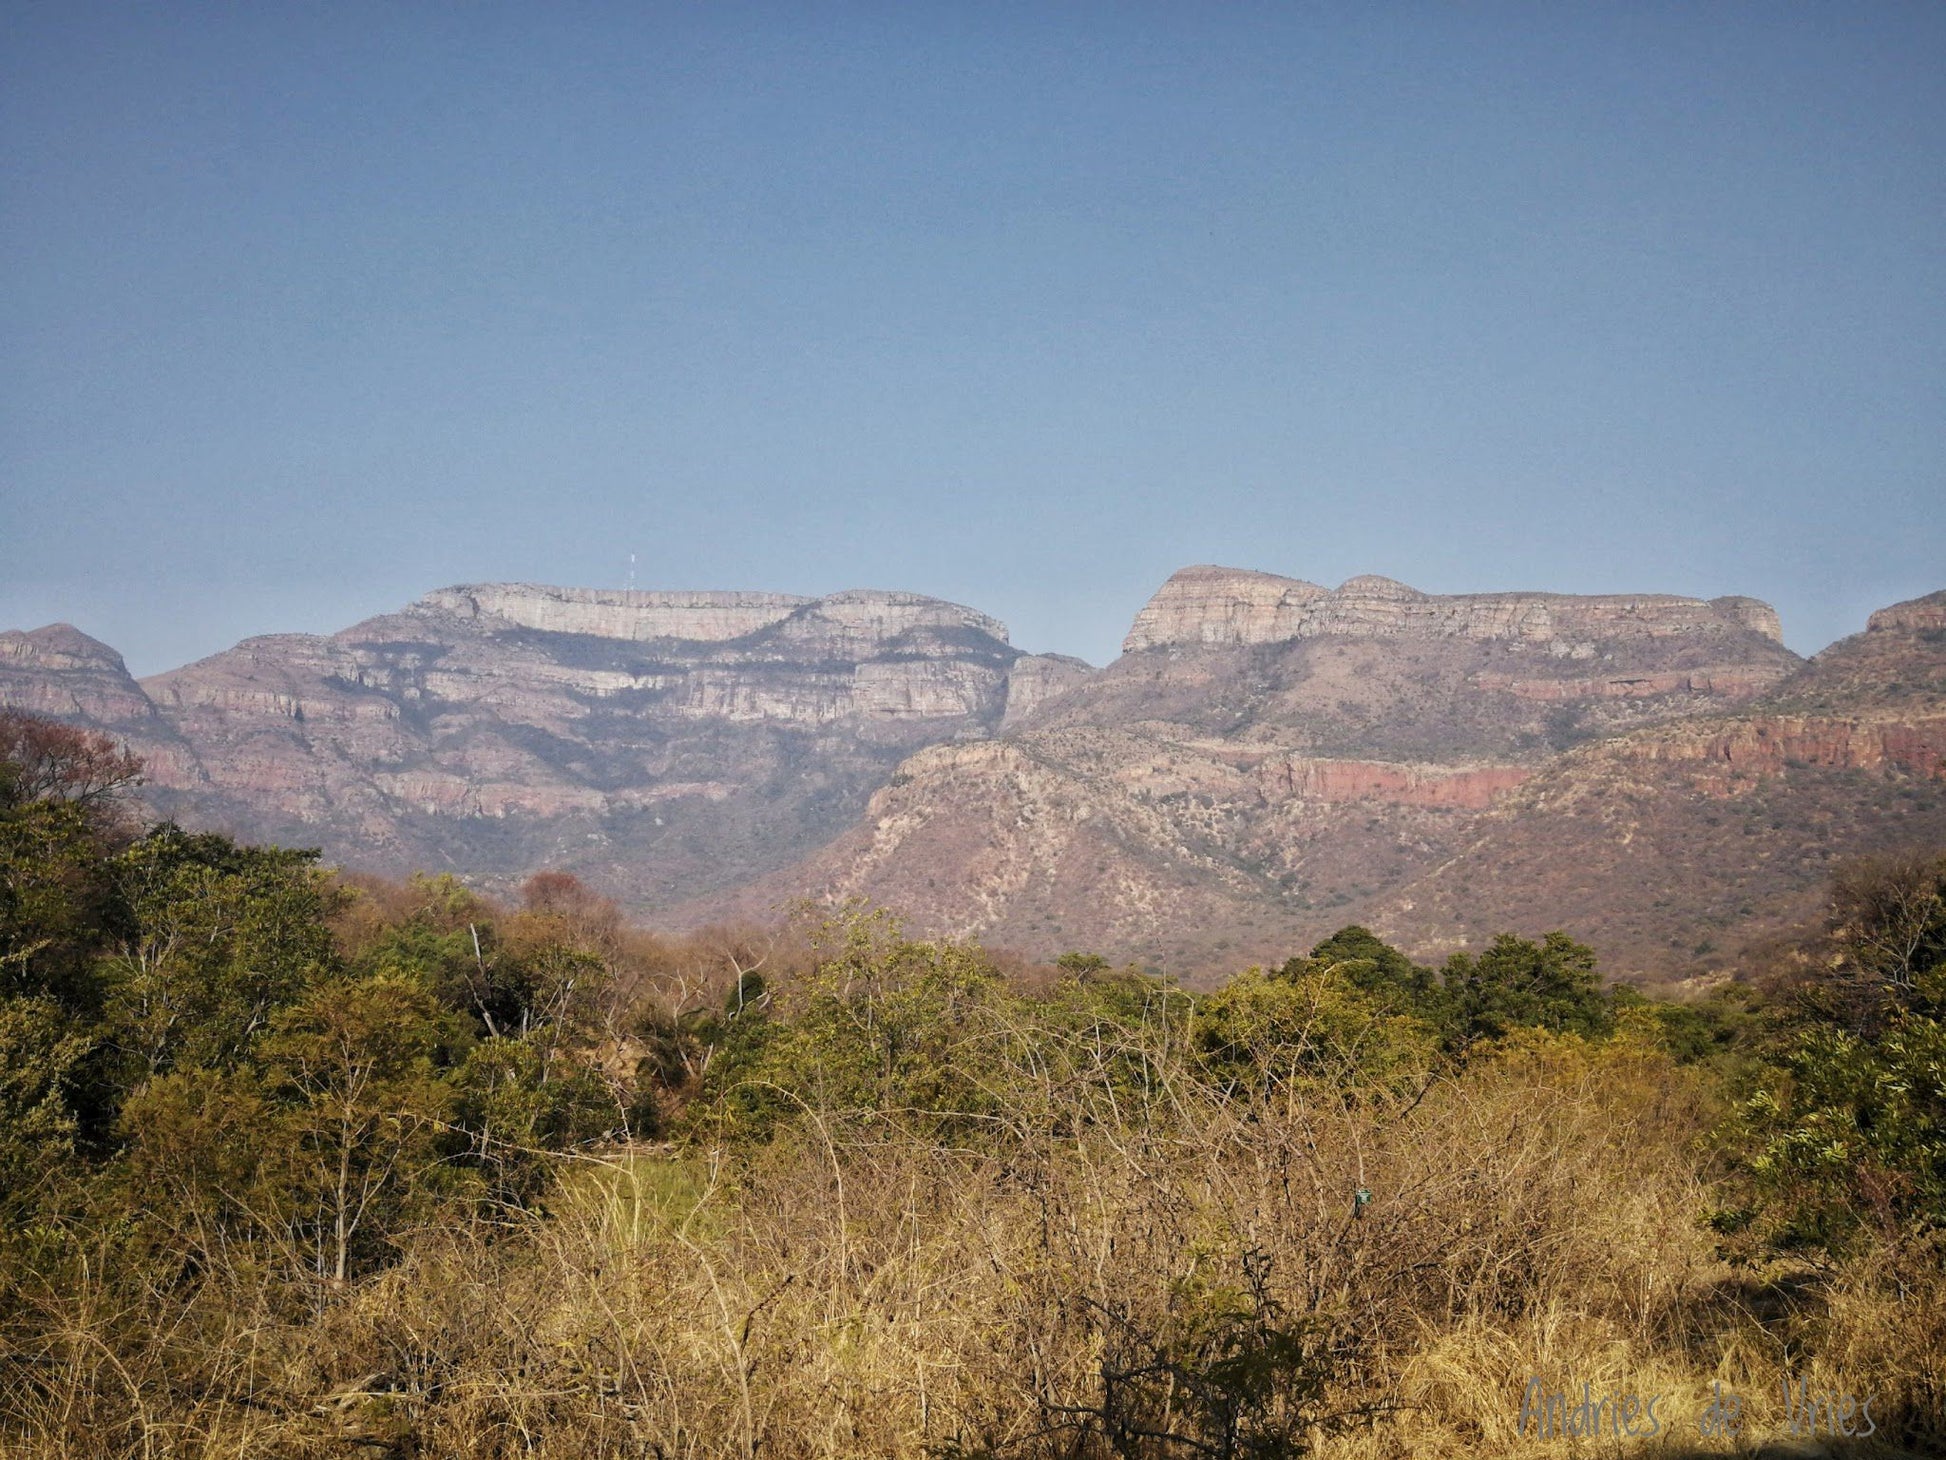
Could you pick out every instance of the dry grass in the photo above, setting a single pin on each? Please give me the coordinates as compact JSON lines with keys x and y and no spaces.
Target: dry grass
{"x":860,"y":1288}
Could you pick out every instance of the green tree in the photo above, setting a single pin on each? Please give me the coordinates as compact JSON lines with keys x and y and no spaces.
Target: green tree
{"x":361,"y":1113}
{"x":1308,"y":1023}
{"x":42,"y":1053}
{"x":1516,"y":982}
{"x":61,"y":824}
{"x":1375,"y":967}
{"x":1847,"y":1134}
{"x":221,"y":936}
{"x":58,"y":903}
{"x":332,"y":1137}
{"x":516,"y":1109}
{"x":881,"y":1023}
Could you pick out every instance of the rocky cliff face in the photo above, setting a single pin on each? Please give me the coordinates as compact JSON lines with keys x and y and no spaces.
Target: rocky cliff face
{"x":1268,"y":761}
{"x":1039,"y":678}
{"x":1674,"y":845}
{"x":60,"y":672}
{"x":1230,"y":606}
{"x":705,"y":618}
{"x":1915,"y":616}
{"x":660,"y":742}
{"x":1375,"y":669}
{"x":1271,"y":760}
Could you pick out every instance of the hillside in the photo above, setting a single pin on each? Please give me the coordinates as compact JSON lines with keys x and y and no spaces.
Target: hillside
{"x":662,"y":744}
{"x":1268,"y":760}
{"x":1675,"y":846}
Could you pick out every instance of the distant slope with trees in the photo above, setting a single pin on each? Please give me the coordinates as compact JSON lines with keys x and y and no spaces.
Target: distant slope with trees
{"x":294,"y":1163}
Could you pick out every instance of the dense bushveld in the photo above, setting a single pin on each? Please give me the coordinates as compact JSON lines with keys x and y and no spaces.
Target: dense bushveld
{"x":301,"y":1164}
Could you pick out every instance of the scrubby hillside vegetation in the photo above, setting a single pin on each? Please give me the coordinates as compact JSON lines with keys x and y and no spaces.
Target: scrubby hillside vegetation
{"x":297,"y":1163}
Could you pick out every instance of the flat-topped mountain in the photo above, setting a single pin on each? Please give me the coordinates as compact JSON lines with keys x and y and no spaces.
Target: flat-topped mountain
{"x":1678,"y":843}
{"x":1212,"y":605}
{"x":861,"y":620}
{"x":1267,"y":760}
{"x":553,"y":656}
{"x":1270,"y":760}
{"x":1376,"y":669}
{"x":663,"y":743}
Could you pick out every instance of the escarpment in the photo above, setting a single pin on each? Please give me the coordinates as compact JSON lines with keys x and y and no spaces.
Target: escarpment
{"x":661,"y":743}
{"x":1269,"y":760}
{"x":62,"y":673}
{"x":1230,"y":606}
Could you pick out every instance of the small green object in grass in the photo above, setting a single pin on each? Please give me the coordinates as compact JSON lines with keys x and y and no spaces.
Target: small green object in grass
{"x":1360,"y":1199}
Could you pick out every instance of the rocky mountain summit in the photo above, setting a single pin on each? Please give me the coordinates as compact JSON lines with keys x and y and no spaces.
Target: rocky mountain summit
{"x":664,"y":744}
{"x":1270,"y":760}
{"x":1212,"y":605}
{"x":1269,"y":755}
{"x":1267,"y":760}
{"x":60,"y":672}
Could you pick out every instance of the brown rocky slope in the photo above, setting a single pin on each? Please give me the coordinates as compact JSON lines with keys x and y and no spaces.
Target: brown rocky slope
{"x":1675,"y":847}
{"x":1268,"y":760}
{"x":662,"y":744}
{"x":1271,"y":759}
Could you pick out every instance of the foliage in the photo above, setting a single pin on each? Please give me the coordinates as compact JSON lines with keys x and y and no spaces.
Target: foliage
{"x":1373,"y":966}
{"x":1847,"y":1132}
{"x":1725,"y":1031}
{"x":881,"y":1023}
{"x":1549,"y":985}
{"x":282,"y":1156}
{"x":220,"y":937}
{"x":42,"y":1047}
{"x":44,"y":760}
{"x":517,"y":1108}
{"x":1308,"y":1024}
{"x":57,"y":902}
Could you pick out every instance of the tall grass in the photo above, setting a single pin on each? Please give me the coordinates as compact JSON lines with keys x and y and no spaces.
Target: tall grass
{"x":1183,"y":1273}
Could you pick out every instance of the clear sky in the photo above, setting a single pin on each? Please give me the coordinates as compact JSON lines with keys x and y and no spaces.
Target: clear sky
{"x":305,"y":310}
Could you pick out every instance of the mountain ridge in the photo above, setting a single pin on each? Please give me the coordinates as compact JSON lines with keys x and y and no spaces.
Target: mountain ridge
{"x":1266,"y":758}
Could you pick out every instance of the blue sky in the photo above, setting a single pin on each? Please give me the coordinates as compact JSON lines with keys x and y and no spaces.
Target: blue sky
{"x":310,"y":309}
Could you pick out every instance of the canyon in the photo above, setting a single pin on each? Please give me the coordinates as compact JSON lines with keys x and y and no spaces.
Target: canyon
{"x":1268,"y":760}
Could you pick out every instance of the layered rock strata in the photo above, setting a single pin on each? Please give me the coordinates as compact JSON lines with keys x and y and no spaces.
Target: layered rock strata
{"x":60,"y":672}
{"x":661,"y":742}
{"x":1269,"y":760}
{"x":1269,"y":756}
{"x":1230,"y":606}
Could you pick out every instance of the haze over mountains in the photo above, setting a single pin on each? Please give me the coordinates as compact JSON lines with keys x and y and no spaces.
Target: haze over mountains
{"x":1268,"y":760}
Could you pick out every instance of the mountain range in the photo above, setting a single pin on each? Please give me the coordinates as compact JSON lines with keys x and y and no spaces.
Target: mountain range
{"x":1268,"y":760}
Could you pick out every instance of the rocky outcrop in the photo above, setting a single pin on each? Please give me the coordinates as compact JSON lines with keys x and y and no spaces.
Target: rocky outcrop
{"x":1376,"y":670}
{"x":1724,"y":682}
{"x":58,"y":670}
{"x":1333,"y":781}
{"x":1037,"y":678}
{"x":1229,"y":606}
{"x":1742,"y":751}
{"x":61,"y":672}
{"x":1915,"y":616}
{"x":661,"y":742}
